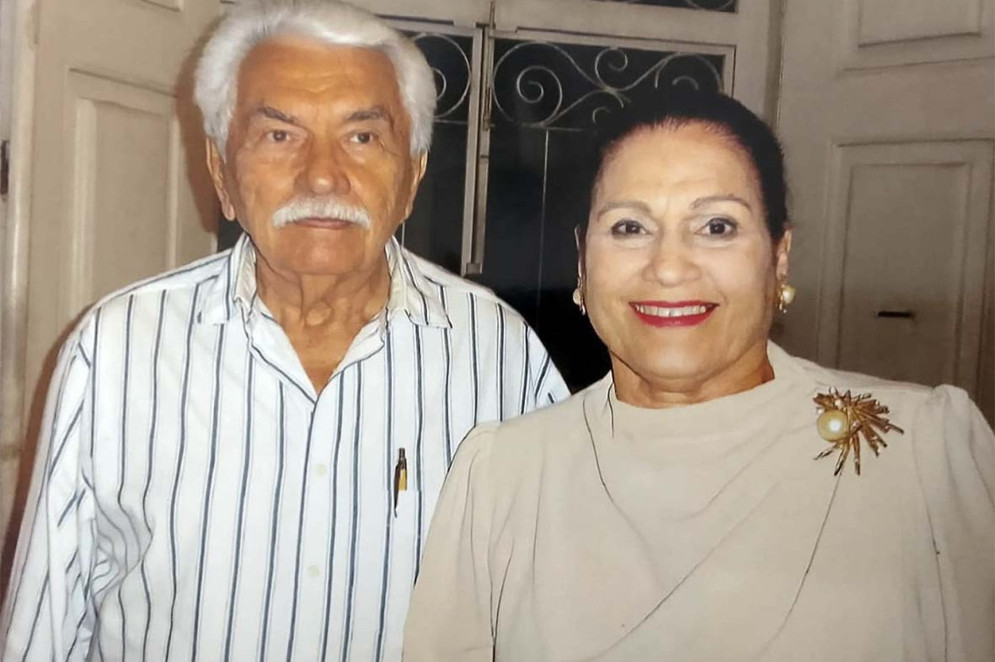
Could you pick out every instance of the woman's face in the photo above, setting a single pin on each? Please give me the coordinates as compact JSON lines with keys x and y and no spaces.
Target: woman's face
{"x":679,"y":268}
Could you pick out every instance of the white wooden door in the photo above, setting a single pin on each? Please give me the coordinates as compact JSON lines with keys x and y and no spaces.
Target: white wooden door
{"x":112,"y":188}
{"x":887,"y":113}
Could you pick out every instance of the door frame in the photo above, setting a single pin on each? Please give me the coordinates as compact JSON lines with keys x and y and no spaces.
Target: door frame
{"x":18,"y":28}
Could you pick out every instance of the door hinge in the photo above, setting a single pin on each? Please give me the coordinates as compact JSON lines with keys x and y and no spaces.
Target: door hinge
{"x":4,"y":167}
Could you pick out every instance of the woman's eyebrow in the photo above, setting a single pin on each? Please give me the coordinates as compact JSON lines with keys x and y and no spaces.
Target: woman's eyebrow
{"x":709,"y":199}
{"x":624,"y":204}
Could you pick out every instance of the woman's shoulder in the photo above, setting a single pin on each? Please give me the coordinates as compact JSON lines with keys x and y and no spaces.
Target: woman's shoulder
{"x":889,"y":392}
{"x":556,"y":415}
{"x":534,"y":436}
{"x":937,"y":417}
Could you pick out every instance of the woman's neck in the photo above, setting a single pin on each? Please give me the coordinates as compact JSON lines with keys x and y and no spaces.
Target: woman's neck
{"x":661,"y":392}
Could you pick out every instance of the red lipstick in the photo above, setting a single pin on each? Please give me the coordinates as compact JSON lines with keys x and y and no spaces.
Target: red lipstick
{"x":672,"y":313}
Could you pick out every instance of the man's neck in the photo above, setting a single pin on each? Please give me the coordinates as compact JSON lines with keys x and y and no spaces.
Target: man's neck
{"x":322,"y":314}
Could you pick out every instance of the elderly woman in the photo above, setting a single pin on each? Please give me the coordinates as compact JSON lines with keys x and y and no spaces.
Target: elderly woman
{"x":712,"y":498}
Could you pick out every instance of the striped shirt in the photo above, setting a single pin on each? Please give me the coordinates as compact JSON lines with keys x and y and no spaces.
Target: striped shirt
{"x":194,"y":497}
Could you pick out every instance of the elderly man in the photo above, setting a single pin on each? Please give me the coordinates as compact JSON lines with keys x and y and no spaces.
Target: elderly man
{"x":241,"y":457}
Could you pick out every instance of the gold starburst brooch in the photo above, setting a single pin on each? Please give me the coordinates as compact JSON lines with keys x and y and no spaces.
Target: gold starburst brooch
{"x":844,"y":419}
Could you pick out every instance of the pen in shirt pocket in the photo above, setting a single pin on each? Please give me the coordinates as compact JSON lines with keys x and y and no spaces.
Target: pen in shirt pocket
{"x":400,"y":477}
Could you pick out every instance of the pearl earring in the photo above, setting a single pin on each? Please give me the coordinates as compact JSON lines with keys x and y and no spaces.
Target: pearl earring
{"x":578,"y":297}
{"x":785,"y":295}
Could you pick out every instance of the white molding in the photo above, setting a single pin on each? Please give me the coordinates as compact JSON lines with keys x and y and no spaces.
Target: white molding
{"x":19,"y":41}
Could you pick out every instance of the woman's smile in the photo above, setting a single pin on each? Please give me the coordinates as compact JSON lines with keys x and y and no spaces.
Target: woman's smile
{"x":673,"y":313}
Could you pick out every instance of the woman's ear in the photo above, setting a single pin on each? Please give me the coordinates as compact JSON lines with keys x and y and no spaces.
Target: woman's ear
{"x":781,"y":254}
{"x":579,"y":235}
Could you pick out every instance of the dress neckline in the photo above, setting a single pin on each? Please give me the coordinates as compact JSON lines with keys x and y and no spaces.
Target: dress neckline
{"x":713,"y":417}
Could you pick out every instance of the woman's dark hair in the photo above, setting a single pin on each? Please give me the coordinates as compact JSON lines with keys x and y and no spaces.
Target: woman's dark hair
{"x":724,"y":114}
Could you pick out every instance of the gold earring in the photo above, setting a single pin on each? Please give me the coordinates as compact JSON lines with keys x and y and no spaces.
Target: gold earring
{"x":578,"y":297}
{"x":785,"y":295}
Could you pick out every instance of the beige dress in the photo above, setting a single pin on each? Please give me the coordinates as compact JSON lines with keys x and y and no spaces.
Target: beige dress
{"x":594,"y":530}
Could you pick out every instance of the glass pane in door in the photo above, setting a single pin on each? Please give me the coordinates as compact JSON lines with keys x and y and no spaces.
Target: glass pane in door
{"x":547,"y":99}
{"x":434,"y":229}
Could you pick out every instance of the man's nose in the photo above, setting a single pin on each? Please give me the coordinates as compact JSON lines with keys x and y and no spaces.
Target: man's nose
{"x":325,"y":171}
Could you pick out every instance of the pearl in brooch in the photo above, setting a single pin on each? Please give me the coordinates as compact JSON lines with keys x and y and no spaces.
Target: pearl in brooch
{"x":832,"y":425}
{"x":846,"y":419}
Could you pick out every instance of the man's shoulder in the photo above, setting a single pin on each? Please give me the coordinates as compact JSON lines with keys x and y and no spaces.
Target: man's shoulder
{"x":181,"y":280}
{"x":456,"y":289}
{"x":186,"y":277}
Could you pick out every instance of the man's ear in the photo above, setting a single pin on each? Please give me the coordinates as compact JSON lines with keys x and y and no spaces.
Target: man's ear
{"x":418,"y":166}
{"x":781,"y":254}
{"x":216,"y":166}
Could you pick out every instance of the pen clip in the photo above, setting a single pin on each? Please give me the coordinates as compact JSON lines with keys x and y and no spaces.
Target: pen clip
{"x":400,"y":477}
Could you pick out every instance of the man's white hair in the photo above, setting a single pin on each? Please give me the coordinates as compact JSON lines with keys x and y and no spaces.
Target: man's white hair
{"x":254,"y":21}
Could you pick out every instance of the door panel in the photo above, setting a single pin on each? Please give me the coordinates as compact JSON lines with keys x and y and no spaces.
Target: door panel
{"x":876,"y":32}
{"x":886,"y":118}
{"x":914,"y":241}
{"x":124,"y":138}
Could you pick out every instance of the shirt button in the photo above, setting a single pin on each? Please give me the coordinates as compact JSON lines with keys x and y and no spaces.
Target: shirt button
{"x":321,"y":470}
{"x":313,"y":571}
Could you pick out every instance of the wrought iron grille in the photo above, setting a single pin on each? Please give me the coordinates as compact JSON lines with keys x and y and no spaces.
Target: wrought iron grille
{"x":726,"y":6}
{"x":567,"y":86}
{"x":449,"y":57}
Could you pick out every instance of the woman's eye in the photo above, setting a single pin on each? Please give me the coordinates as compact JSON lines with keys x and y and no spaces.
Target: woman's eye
{"x":719,"y":227}
{"x":279,"y":136}
{"x":627,"y":227}
{"x":363,"y":138}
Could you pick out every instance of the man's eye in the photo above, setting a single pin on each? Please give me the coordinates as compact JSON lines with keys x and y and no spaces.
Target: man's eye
{"x":278,"y":136}
{"x":627,"y":227}
{"x":719,"y":227}
{"x":363,"y":138}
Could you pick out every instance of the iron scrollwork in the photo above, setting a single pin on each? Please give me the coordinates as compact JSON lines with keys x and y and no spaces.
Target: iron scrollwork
{"x":554,"y":86}
{"x":448,"y":57}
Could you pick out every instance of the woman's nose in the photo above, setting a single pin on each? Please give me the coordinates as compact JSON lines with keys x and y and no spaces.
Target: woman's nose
{"x":673,"y":262}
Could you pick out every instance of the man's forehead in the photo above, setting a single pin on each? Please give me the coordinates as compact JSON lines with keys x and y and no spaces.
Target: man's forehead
{"x":293,"y":63}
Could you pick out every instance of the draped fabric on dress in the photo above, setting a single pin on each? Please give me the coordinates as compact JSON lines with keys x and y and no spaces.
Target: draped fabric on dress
{"x":595,"y":530}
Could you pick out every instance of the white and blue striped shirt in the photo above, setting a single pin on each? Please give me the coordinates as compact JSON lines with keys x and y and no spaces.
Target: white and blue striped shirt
{"x":195,"y":499}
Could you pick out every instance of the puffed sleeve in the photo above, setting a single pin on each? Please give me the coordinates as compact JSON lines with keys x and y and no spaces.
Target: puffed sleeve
{"x":450,"y":616}
{"x":955,"y":453}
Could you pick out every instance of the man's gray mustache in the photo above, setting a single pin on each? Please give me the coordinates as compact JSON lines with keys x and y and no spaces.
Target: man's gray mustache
{"x":305,"y":208}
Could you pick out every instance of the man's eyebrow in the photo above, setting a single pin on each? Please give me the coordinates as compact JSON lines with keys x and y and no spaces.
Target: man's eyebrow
{"x":700,"y":202}
{"x":275,"y":114}
{"x":368,"y":114}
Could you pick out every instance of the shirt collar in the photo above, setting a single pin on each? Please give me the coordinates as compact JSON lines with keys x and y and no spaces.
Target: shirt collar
{"x":411,"y":292}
